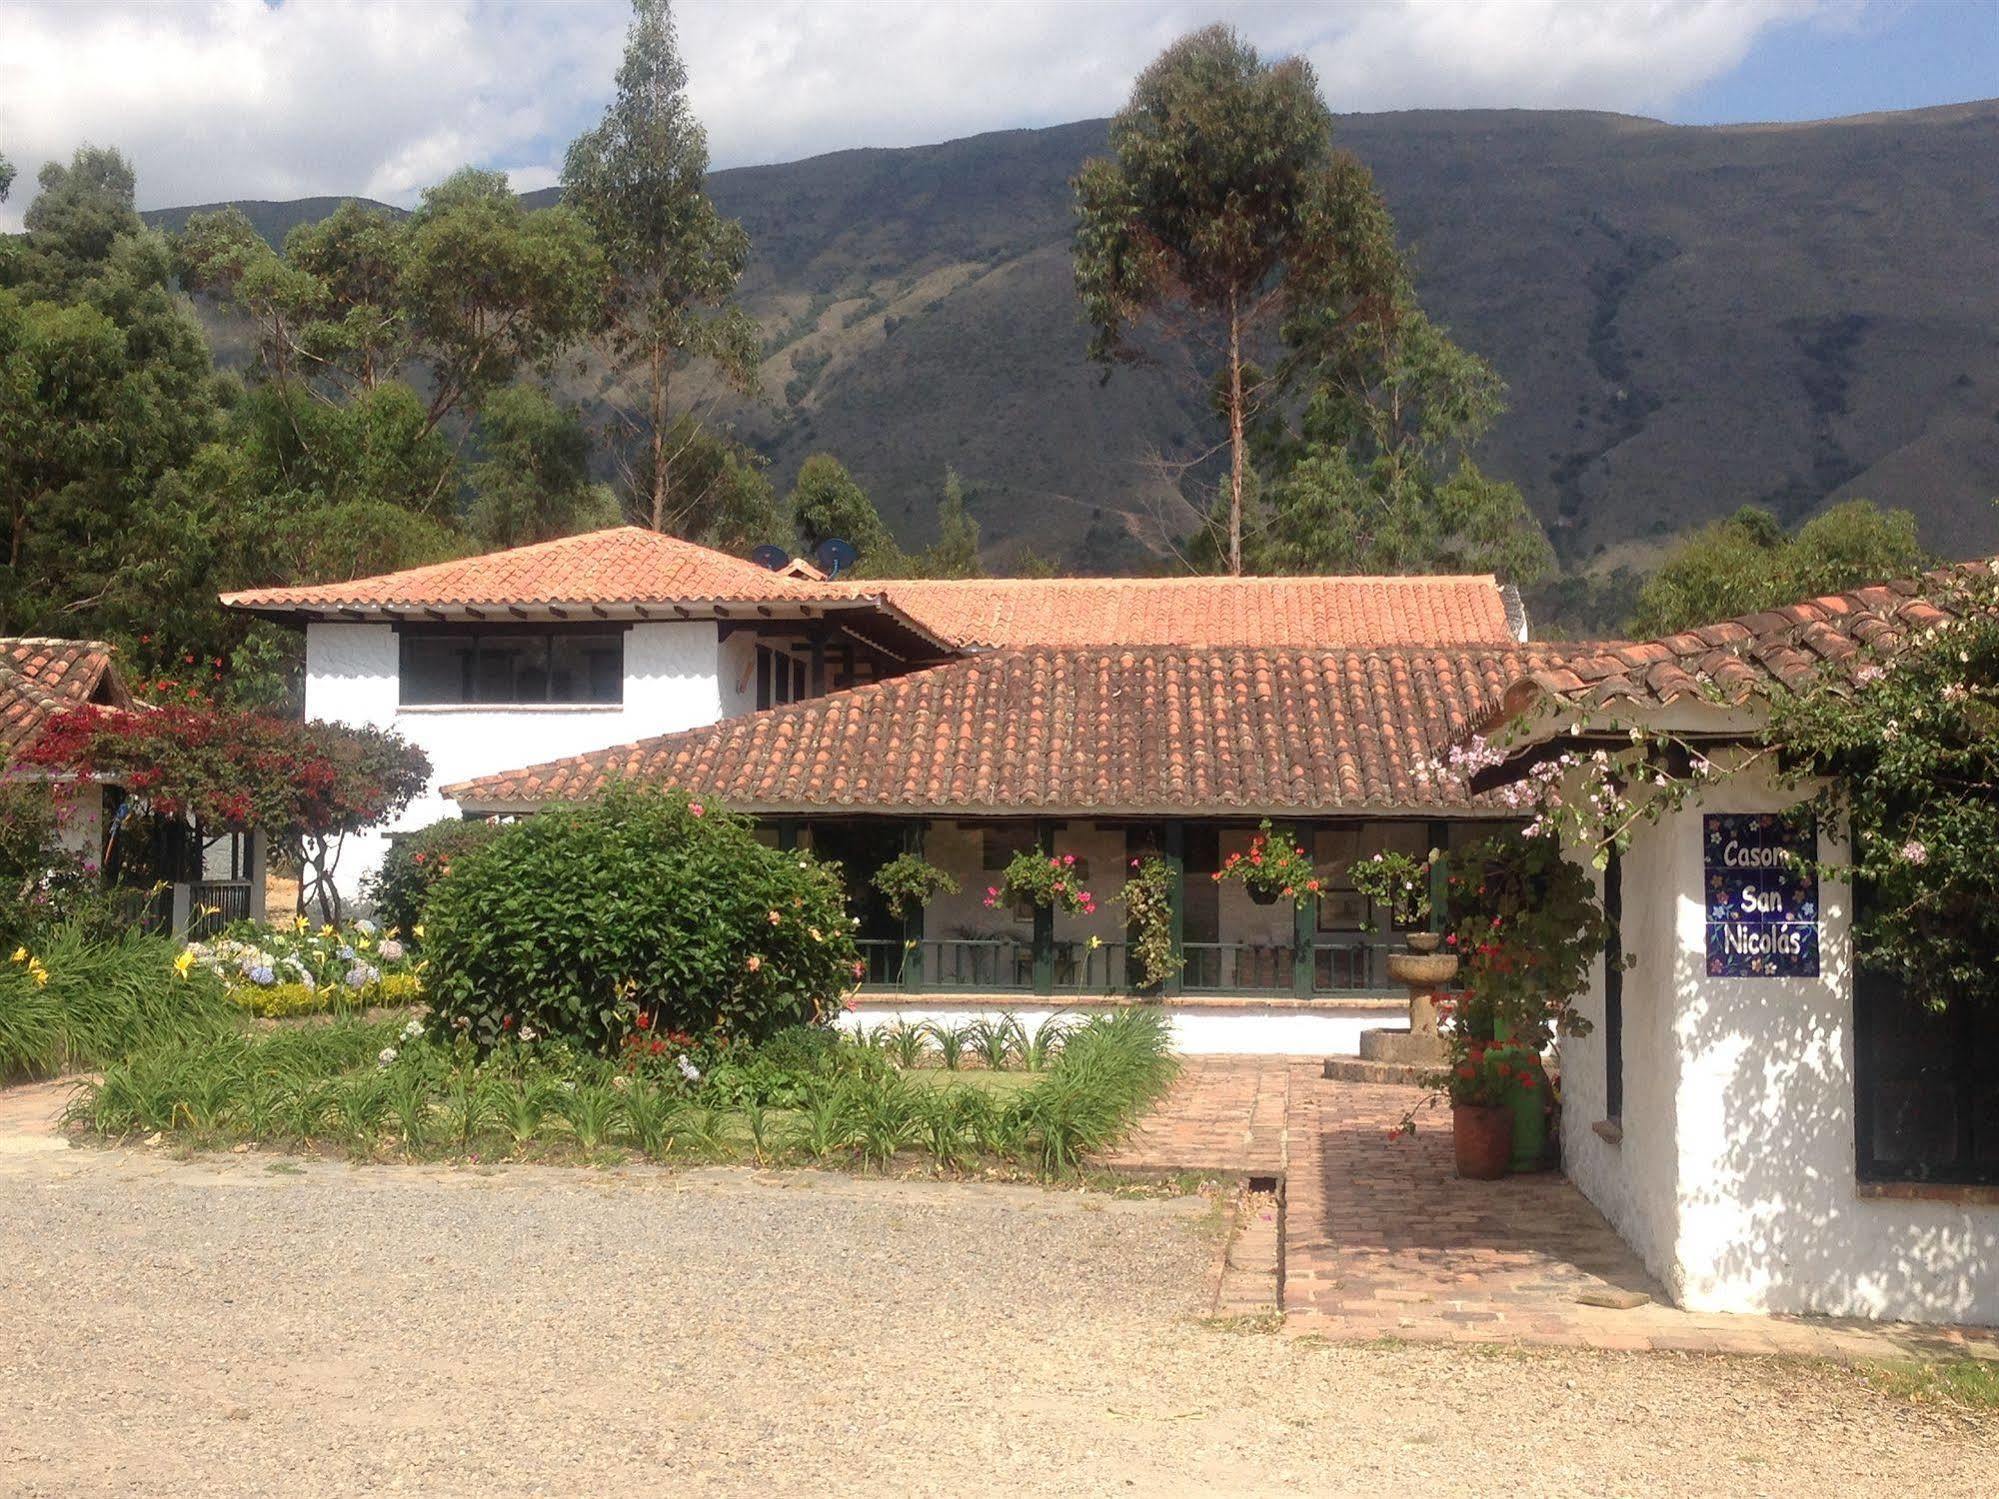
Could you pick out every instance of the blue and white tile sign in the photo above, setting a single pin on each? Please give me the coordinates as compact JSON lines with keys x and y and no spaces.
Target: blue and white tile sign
{"x":1762,"y":908}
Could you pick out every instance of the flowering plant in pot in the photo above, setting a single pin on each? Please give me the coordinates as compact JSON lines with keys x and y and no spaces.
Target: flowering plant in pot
{"x":1400,"y":883}
{"x":1042,"y":879}
{"x":1271,"y":867}
{"x":909,"y":882}
{"x":1147,"y":898}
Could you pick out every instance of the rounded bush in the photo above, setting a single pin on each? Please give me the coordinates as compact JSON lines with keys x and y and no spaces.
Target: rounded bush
{"x":401,"y":888}
{"x":635,"y":909}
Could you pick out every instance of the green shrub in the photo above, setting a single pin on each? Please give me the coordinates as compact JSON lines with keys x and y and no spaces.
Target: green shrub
{"x":401,"y":888}
{"x":41,"y":883}
{"x":635,"y":905}
{"x":77,"y":1000}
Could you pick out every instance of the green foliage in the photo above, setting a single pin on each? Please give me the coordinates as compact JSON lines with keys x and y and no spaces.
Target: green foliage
{"x":955,"y":554}
{"x":1526,"y":926}
{"x":1746,"y":563}
{"x":1224,"y":207}
{"x":534,"y":482}
{"x":639,"y":181}
{"x":370,"y":1089}
{"x":1044,"y":880}
{"x":1912,"y":752}
{"x":909,"y":882}
{"x":825,"y":503}
{"x":400,"y":889}
{"x":1378,"y":477}
{"x":42,"y":884}
{"x":1147,"y":898}
{"x":77,"y":1000}
{"x":635,"y":905}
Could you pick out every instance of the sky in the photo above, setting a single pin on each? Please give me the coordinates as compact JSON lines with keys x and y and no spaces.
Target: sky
{"x":217,"y":99}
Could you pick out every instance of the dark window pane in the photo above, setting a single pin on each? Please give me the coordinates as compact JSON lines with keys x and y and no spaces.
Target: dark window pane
{"x":764,"y":699}
{"x":506,"y":662}
{"x":436,"y":668}
{"x":586,"y":669}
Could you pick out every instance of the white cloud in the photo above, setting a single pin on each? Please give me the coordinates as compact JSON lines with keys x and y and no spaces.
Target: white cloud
{"x":236,"y":98}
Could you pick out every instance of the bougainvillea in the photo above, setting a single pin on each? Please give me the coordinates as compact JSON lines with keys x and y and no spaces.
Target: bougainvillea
{"x":1909,"y":747}
{"x":1527,"y":926}
{"x":303,"y":785}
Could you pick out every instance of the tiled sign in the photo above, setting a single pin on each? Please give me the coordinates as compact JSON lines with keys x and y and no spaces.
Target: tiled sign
{"x":1762,"y":908}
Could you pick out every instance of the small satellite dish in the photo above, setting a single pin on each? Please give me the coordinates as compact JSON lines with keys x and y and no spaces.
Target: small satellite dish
{"x":834,"y":556}
{"x":772,"y":557}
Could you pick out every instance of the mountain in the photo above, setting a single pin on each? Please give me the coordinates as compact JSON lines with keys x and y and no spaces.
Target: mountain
{"x":1690,"y":319}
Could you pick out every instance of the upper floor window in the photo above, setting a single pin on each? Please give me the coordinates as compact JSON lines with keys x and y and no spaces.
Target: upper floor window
{"x":506,"y":664}
{"x":780,"y":678}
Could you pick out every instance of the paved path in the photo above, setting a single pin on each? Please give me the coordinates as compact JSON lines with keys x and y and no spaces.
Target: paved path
{"x":1382,"y":1239}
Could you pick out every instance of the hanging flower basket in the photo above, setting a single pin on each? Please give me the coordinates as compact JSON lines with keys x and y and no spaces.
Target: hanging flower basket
{"x":1271,"y":869}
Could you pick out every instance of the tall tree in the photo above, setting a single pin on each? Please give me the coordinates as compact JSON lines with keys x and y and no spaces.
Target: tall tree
{"x":826,"y":504}
{"x":534,"y":482}
{"x":1377,"y":474}
{"x":1746,"y":563}
{"x":6,"y":178}
{"x":638,"y":179}
{"x":955,"y":553}
{"x":1224,"y":208}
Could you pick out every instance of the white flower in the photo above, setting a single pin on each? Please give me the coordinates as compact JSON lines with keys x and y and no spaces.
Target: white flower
{"x":688,"y":1070}
{"x":528,"y":1033}
{"x":1915,"y":853}
{"x":412,"y":1030}
{"x":366,"y":927}
{"x":386,"y":1055}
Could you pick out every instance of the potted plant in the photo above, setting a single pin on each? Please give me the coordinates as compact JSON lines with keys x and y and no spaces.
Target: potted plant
{"x":1041,"y":879}
{"x":909,"y":882}
{"x":1272,"y":867}
{"x":1400,"y":884}
{"x":1481,"y":1085}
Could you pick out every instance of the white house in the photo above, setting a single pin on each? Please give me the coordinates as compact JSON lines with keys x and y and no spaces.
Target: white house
{"x":1770,"y":1123}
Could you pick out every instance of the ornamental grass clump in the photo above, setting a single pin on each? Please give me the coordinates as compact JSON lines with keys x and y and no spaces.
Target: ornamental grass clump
{"x":77,"y":1000}
{"x":633,"y":906}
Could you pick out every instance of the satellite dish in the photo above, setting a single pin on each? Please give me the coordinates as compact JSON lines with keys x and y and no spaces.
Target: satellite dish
{"x":834,"y":556}
{"x":772,"y":557}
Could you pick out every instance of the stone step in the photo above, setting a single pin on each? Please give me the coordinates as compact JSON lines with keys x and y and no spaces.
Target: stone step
{"x":1360,"y":1070}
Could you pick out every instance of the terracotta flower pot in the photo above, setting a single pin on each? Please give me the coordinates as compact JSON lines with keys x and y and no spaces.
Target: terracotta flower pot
{"x":1482,"y":1138}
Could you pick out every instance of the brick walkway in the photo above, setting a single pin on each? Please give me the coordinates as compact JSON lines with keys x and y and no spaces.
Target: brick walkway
{"x":1383,"y":1240}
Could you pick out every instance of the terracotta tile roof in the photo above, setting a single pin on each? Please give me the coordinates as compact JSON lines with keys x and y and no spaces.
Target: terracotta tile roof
{"x":1151,"y":730}
{"x":1754,"y":654}
{"x":1004,"y":612}
{"x":625,"y":565}
{"x":40,"y":678}
{"x":630,"y":566}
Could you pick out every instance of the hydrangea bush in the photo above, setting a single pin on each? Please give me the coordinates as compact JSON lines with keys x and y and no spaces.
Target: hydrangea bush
{"x":298,"y":968}
{"x":636,"y":909}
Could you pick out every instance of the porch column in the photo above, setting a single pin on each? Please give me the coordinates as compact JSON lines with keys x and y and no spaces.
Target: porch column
{"x":1440,"y":884}
{"x":1044,"y":920}
{"x":1173,"y":849}
{"x":255,"y":846}
{"x":1304,"y":925}
{"x":912,"y":921}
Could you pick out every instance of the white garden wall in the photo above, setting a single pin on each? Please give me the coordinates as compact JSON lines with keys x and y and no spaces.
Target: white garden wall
{"x":1736,"y":1176}
{"x":1234,"y":1028}
{"x":672,"y":682}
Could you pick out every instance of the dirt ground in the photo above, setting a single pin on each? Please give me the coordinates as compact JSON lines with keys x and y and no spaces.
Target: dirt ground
{"x":254,"y":1325}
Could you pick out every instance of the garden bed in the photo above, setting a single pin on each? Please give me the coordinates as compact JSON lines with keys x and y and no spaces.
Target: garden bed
{"x":383,"y":1089}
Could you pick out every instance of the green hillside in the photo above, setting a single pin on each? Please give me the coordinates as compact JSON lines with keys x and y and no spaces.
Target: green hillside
{"x":1690,"y":319}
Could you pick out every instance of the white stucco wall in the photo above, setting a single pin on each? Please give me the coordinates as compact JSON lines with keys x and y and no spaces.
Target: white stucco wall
{"x":1736,"y":1176}
{"x":672,"y":681}
{"x":1325,"y":1029}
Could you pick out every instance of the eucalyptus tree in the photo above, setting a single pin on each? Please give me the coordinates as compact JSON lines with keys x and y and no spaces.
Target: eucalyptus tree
{"x":639,"y":180}
{"x":1224,"y":209}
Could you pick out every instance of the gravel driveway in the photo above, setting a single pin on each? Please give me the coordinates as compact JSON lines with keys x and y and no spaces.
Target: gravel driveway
{"x":252,"y":1325}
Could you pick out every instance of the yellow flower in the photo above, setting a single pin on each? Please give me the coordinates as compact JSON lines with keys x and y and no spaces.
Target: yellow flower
{"x":20,"y":955}
{"x":326,"y":930}
{"x":393,"y":932}
{"x":184,"y":962}
{"x":301,"y":922}
{"x":38,"y":973}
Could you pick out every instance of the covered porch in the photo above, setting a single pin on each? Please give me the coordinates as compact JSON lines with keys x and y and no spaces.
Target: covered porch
{"x":1329,"y":948}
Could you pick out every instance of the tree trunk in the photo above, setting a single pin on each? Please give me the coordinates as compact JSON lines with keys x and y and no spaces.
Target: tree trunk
{"x":658,"y":437}
{"x":1235,"y":438}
